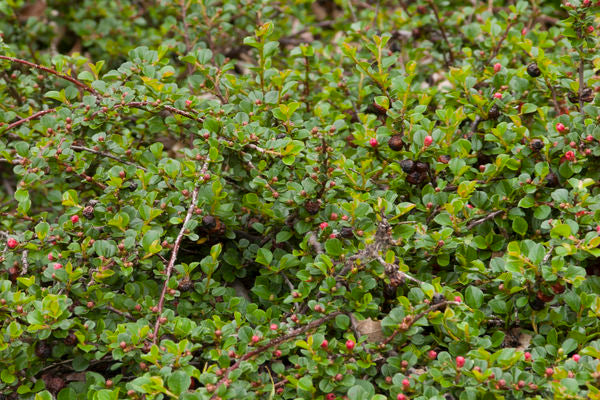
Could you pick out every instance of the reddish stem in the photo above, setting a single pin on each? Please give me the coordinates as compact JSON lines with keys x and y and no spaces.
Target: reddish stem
{"x":53,"y":72}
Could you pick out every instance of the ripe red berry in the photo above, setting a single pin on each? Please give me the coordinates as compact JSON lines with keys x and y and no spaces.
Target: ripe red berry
{"x":344,"y":218}
{"x":573,"y":144}
{"x":333,"y":216}
{"x":332,"y":236}
{"x":497,"y":67}
{"x":188,"y":103}
{"x":560,"y":127}
{"x":123,"y":345}
{"x":324,"y":344}
{"x":350,"y":344}
{"x":432,"y":354}
{"x":576,"y":357}
{"x":428,"y":141}
{"x":590,"y":29}
{"x":255,"y":339}
{"x":57,"y":266}
{"x":589,"y":138}
{"x":524,"y":31}
{"x":498,"y":95}
{"x":75,"y":219}
{"x":277,"y":353}
{"x":549,"y":371}
{"x":460,"y":361}
{"x":569,"y":155}
{"x":330,"y":396}
{"x":405,"y":383}
{"x":323,"y":225}
{"x":401,"y":397}
{"x":274,"y":327}
{"x":12,"y":243}
{"x":373,"y":142}
{"x":457,"y":299}
{"x":50,"y":257}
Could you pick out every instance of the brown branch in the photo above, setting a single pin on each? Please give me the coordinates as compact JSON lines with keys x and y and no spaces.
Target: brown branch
{"x":174,"y":252}
{"x":581,"y":84}
{"x":31,"y":117}
{"x":409,"y":320}
{"x":436,"y":12}
{"x":499,"y":45}
{"x":76,"y":82}
{"x":108,"y":155}
{"x":480,"y":221}
{"x":274,"y":342}
{"x":121,"y":313}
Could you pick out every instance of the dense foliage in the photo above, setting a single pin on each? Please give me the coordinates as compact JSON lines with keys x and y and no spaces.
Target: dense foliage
{"x":209,"y":199}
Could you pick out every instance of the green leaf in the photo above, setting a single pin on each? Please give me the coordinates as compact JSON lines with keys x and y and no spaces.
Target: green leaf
{"x":474,"y":297}
{"x":333,"y":247}
{"x":264,"y":256}
{"x":519,"y":225}
{"x":179,"y":382}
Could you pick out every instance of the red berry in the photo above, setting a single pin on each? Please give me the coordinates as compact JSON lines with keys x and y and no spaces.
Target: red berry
{"x":428,"y":140}
{"x":569,"y":155}
{"x":255,"y":339}
{"x":57,"y":266}
{"x":188,"y":103}
{"x":401,"y":397}
{"x":501,"y":383}
{"x":589,"y":138}
{"x":75,"y":219}
{"x":273,"y":327}
{"x":332,"y":236}
{"x":373,"y":142}
{"x":405,"y":383}
{"x":460,"y":361}
{"x":277,"y":353}
{"x":549,"y":371}
{"x":50,"y":257}
{"x":12,"y":243}
{"x":323,"y":225}
{"x":123,"y":345}
{"x":330,"y":396}
{"x":497,"y":67}
{"x":432,"y":354}
{"x":350,"y":344}
{"x":344,"y":218}
{"x":576,"y":357}
{"x":573,"y":144}
{"x":560,"y":127}
{"x":333,"y":216}
{"x":590,"y":29}
{"x":324,"y":344}
{"x":457,"y":299}
{"x":498,"y":95}
{"x":524,"y":31}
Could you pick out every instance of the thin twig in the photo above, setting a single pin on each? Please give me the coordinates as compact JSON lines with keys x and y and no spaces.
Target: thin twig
{"x":173,"y":258}
{"x":77,"y":83}
{"x":274,"y":342}
{"x":581,"y":84}
{"x":393,"y":269}
{"x":499,"y":44}
{"x":25,"y":262}
{"x":488,"y":217}
{"x":548,"y":255}
{"x":107,"y":155}
{"x":121,"y":313}
{"x":436,"y":12}
{"x":31,"y":117}
{"x":410,"y":320}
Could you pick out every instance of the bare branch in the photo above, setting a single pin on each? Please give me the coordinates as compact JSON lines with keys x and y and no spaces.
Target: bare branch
{"x":107,"y":155}
{"x":174,"y":252}
{"x":76,"y":82}
{"x":488,"y":217}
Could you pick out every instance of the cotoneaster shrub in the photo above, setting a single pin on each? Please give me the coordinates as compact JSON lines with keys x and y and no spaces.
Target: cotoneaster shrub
{"x":330,"y":200}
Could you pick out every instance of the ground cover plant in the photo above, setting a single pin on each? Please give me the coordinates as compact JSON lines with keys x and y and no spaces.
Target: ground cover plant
{"x":299,"y":200}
